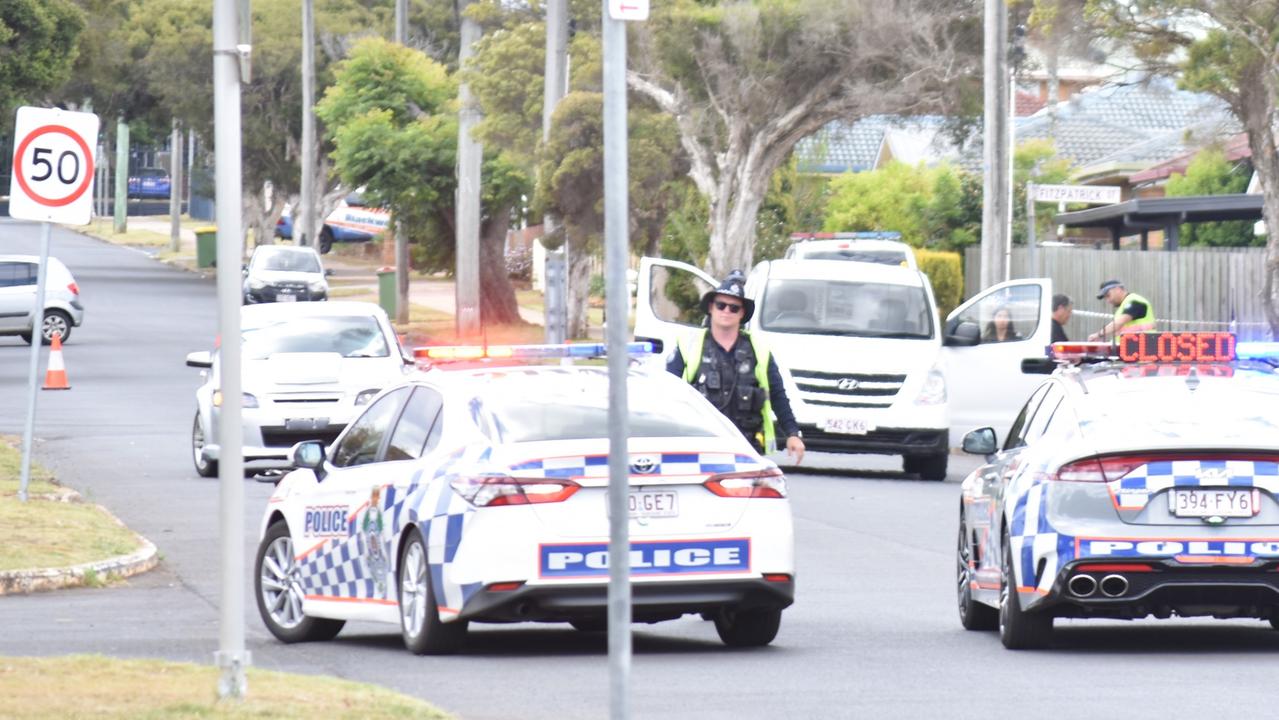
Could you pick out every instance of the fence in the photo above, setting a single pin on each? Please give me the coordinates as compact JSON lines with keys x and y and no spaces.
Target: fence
{"x":1199,"y":289}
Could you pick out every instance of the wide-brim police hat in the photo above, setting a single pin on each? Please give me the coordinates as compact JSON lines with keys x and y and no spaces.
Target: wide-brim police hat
{"x":733,"y":286}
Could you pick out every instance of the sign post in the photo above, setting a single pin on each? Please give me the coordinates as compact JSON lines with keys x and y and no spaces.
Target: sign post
{"x":52,"y":181}
{"x":1092,"y":194}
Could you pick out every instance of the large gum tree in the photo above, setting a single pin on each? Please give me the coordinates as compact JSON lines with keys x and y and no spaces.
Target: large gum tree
{"x":746,"y":81}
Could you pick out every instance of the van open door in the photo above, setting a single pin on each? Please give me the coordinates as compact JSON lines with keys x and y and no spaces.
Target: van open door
{"x":984,"y":377}
{"x":668,"y":300}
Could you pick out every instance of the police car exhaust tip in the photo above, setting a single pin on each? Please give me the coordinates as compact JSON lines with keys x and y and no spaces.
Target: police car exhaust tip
{"x":1114,"y":585}
{"x":1083,"y":585}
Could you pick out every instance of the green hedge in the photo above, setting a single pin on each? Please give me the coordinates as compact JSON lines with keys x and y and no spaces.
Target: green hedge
{"x":946,"y":272}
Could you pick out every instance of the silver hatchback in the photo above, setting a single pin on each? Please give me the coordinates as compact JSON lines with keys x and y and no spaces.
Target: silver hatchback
{"x":62,"y":307}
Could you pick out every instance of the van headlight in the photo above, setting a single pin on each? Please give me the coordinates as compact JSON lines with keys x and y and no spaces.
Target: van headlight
{"x":934,"y":390}
{"x":247,"y":400}
{"x":365,"y":396}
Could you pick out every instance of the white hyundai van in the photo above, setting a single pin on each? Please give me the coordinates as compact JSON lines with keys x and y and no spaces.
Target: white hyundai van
{"x":858,"y":344}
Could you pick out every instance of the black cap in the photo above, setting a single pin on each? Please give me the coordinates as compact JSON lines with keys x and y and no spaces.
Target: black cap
{"x":734,"y":286}
{"x":1107,"y":287}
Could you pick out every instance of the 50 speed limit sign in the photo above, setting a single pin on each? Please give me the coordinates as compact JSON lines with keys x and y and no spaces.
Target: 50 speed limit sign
{"x":52,"y":179}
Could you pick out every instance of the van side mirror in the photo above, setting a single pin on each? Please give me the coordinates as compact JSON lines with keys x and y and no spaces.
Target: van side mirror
{"x":201,"y":359}
{"x":981,"y":441}
{"x":1038,"y":366}
{"x":964,"y":334}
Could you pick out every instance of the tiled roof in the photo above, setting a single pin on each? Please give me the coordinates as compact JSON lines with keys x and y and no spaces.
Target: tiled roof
{"x":1026,"y":103}
{"x":1234,"y":149}
{"x":842,"y":146}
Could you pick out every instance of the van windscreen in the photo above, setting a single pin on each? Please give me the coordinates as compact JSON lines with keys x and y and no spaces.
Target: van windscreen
{"x":832,"y":307}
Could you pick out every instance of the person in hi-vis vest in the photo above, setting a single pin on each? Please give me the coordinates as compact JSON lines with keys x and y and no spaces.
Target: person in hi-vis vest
{"x":736,"y":372}
{"x":1133,"y":313}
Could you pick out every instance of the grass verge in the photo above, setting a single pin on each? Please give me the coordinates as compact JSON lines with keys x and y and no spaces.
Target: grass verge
{"x":88,"y":686}
{"x":46,"y":532}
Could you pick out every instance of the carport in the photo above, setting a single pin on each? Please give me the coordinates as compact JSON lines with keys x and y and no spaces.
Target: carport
{"x":1140,"y":216}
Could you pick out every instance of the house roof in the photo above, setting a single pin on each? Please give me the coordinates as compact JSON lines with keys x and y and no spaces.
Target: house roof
{"x":842,"y":146}
{"x":1234,"y":149}
{"x":1133,"y":216}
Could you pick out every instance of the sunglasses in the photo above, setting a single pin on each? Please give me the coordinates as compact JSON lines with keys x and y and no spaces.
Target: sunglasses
{"x":721,"y":305}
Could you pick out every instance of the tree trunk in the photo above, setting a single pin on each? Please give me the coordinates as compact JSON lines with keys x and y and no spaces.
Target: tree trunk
{"x":497,"y":295}
{"x":1254,"y":110}
{"x":579,"y":286}
{"x":732,"y":222}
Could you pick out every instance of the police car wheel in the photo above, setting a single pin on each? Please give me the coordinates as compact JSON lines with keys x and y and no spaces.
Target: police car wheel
{"x":326,"y":241}
{"x":278,"y":587}
{"x":973,"y":615}
{"x":932,"y":467}
{"x":424,"y":633}
{"x":1274,"y":622}
{"x":204,"y":467}
{"x":1018,"y":629}
{"x":748,"y":628}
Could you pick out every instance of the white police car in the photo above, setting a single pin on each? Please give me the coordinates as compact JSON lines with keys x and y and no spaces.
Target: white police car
{"x":1145,"y":483}
{"x":480,"y":495}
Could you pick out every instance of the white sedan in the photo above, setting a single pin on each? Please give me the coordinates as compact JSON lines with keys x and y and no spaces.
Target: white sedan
{"x":481,"y":495}
{"x":307,"y":369}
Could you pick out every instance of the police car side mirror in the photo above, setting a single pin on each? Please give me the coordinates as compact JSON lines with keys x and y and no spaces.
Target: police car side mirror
{"x":964,"y":334}
{"x":308,"y":455}
{"x":981,"y":441}
{"x":201,"y":359}
{"x":1038,"y":366}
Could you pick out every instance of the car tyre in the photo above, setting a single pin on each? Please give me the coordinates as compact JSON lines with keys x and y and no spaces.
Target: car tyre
{"x":748,"y":628}
{"x":932,"y":467}
{"x":1018,"y":629}
{"x":55,"y":322}
{"x":278,"y":587}
{"x":424,"y":633}
{"x":204,"y":467}
{"x":973,"y":615}
{"x":326,"y":241}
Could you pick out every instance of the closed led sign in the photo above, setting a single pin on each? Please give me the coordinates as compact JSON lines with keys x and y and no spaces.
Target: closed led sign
{"x":1177,"y":347}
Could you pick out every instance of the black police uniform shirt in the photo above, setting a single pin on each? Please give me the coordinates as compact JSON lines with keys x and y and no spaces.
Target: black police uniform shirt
{"x":1059,"y":333}
{"x":776,"y":390}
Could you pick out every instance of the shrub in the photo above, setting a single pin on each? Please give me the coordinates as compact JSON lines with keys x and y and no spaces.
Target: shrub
{"x":945,"y":271}
{"x":519,"y":262}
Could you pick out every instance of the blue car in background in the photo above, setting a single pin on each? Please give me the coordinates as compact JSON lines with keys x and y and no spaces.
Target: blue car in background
{"x":149,"y":183}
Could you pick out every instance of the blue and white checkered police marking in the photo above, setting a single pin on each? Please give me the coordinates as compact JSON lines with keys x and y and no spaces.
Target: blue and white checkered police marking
{"x":1134,"y":490}
{"x":681,"y":557}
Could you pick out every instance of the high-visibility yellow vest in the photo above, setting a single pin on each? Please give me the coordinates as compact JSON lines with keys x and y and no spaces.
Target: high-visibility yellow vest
{"x":691,"y":348}
{"x":1137,"y":324}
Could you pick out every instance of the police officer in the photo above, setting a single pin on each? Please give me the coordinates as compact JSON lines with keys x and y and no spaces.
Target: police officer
{"x":1133,"y":313}
{"x":735,"y":371}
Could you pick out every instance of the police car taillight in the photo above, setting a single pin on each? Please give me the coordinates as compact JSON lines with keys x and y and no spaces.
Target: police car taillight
{"x":1105,"y":469}
{"x":768,"y":483}
{"x":496,"y":490}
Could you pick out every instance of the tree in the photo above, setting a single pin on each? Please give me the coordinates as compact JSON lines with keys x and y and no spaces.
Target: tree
{"x":926,"y":205}
{"x":392,"y":117}
{"x":1209,"y":173}
{"x":1228,"y":50}
{"x":746,"y":81}
{"x":1035,"y":161}
{"x":38,"y":44}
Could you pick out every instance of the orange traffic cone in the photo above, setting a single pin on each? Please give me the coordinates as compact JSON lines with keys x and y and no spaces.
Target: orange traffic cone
{"x":55,"y":378}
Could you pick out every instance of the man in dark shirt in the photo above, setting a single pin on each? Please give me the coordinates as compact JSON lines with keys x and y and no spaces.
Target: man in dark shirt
{"x":1062,"y":308}
{"x":735,"y":372}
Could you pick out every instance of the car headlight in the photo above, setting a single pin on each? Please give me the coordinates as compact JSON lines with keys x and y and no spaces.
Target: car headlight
{"x":256,"y":284}
{"x":317,"y":286}
{"x":934,"y":390}
{"x":366,"y":395}
{"x":246,"y":399}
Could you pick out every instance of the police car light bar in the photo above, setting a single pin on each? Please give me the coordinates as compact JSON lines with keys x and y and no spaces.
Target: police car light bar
{"x":440,"y":353}
{"x":1257,"y":351}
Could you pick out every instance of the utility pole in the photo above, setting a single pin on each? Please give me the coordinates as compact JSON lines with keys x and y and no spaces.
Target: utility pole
{"x":121,"y":205}
{"x":469,"y":156}
{"x":996,"y":208}
{"x":230,"y":66}
{"x":401,"y":242}
{"x":304,"y":227}
{"x":175,"y":188}
{"x":554,"y":87}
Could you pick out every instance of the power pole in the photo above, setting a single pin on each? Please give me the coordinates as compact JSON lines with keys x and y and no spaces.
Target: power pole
{"x":230,"y":66}
{"x":401,"y":242}
{"x":554,"y":87}
{"x":996,"y":208}
{"x":121,"y":204}
{"x":469,"y":156}
{"x":175,"y":188}
{"x":304,"y":229}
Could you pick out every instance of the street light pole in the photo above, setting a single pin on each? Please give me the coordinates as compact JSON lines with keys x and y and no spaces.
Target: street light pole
{"x":996,"y":209}
{"x":469,"y":156}
{"x":304,"y":233}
